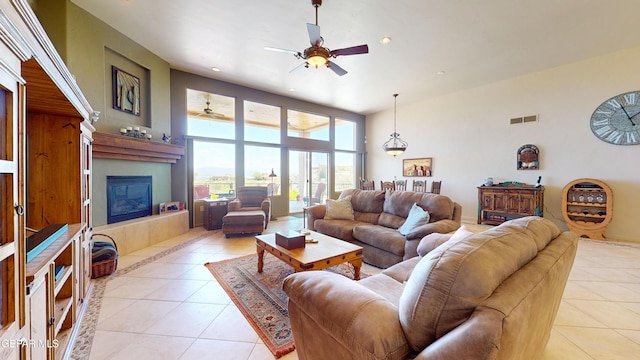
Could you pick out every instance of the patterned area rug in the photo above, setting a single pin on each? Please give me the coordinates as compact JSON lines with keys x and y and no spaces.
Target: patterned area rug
{"x":260,"y":297}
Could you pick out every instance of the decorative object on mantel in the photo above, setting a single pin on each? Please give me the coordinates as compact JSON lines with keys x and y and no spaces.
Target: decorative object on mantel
{"x":166,"y":138}
{"x":395,"y":146}
{"x":135,"y":132}
{"x":416,"y":167}
{"x":528,"y":157}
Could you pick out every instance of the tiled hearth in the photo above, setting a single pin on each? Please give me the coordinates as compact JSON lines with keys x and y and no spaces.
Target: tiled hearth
{"x":137,"y":234}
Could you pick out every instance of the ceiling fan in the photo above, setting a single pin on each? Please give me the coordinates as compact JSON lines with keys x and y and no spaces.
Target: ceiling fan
{"x":208,"y":111}
{"x":318,"y":55}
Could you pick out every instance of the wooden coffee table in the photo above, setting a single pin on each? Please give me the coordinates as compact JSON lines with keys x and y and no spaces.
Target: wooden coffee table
{"x":327,"y":252}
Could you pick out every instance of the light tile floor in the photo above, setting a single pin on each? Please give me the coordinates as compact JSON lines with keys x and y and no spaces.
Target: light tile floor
{"x":173,"y":308}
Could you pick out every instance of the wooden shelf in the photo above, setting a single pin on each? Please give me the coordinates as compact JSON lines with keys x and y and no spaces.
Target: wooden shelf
{"x":571,"y":203}
{"x":51,"y":252}
{"x":598,"y":213}
{"x":119,"y":147}
{"x":61,"y":312}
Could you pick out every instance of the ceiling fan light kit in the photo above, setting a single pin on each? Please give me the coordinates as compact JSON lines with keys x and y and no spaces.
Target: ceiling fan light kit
{"x":317,"y":55}
{"x":395,"y":145}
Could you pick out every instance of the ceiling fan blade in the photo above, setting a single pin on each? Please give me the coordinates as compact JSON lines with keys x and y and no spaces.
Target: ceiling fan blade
{"x":314,"y":34}
{"x":303,"y":65}
{"x":212,"y":113}
{"x":336,"y":69}
{"x":281,"y":50}
{"x":354,"y":50}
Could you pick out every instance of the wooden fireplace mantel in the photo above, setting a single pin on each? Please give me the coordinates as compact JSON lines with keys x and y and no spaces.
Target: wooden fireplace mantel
{"x":119,"y":147}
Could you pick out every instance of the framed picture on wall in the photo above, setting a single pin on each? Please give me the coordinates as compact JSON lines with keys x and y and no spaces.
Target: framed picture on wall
{"x":417,"y":167}
{"x":126,"y":92}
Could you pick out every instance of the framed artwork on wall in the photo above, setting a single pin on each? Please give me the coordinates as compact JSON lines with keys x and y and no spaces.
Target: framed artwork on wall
{"x":528,"y":157}
{"x":417,"y":167}
{"x":126,"y":92}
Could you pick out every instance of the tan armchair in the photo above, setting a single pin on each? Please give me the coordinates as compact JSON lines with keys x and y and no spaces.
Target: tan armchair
{"x":250,"y":198}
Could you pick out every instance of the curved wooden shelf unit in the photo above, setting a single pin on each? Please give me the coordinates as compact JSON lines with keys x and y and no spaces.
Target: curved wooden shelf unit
{"x":587,"y":207}
{"x":119,"y":147}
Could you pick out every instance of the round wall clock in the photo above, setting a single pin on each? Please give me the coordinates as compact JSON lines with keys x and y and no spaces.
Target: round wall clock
{"x":617,"y":120}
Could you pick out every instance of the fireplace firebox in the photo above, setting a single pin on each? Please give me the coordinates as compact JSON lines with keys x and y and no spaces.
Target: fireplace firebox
{"x":128,"y":197}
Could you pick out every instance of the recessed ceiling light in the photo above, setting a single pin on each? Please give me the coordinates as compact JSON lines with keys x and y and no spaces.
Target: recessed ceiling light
{"x":292,"y":89}
{"x":385,"y":40}
{"x":216,"y":69}
{"x":441,"y":72}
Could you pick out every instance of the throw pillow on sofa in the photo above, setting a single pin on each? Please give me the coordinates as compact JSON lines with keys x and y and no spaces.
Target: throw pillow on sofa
{"x":417,"y":217}
{"x":339,"y":209}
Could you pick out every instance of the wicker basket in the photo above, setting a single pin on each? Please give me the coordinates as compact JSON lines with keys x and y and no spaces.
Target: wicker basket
{"x":105,"y":267}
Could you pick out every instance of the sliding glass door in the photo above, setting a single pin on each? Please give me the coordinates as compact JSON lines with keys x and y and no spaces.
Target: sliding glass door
{"x":308,"y":180}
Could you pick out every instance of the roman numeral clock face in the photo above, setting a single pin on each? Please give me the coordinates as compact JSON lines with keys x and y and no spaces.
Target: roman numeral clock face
{"x":617,"y":120}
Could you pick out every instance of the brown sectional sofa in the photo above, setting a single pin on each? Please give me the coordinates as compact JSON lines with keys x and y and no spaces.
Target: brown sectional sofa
{"x":377,"y":217}
{"x":490,"y":295}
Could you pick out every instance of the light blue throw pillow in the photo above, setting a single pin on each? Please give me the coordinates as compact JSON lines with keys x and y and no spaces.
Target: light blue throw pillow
{"x":417,"y":216}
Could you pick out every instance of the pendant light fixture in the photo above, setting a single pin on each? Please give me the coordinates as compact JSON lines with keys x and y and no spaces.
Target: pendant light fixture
{"x":395,"y":146}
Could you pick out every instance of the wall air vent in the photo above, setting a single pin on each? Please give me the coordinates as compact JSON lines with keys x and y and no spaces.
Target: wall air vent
{"x":524,"y":119}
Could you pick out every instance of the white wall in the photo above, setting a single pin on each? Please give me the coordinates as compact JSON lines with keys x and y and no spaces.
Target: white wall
{"x":469,"y":137}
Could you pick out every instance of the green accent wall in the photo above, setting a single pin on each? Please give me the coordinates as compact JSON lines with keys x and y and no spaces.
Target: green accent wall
{"x":90,"y":48}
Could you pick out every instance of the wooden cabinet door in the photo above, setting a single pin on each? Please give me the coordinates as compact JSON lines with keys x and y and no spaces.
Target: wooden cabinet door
{"x":12,"y":102}
{"x":500,"y":201}
{"x":527,"y":204}
{"x":487,"y":200}
{"x":39,"y":319}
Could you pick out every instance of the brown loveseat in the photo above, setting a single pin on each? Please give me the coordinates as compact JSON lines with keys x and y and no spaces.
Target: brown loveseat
{"x":490,"y":295}
{"x":377,"y":215}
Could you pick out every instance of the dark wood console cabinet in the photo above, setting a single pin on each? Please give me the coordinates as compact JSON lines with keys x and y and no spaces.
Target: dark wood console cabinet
{"x":214,"y":211}
{"x":497,"y":204}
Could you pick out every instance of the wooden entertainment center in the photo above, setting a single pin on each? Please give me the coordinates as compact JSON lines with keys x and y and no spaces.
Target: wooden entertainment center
{"x":45,"y":173}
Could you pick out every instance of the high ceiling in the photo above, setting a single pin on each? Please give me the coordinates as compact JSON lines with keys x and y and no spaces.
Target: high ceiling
{"x":474,"y":42}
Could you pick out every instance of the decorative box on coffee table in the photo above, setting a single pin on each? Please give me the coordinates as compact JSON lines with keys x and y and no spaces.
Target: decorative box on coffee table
{"x":290,"y":240}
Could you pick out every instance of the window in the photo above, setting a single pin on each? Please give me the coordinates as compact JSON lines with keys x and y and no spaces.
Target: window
{"x":214,"y":169}
{"x":210,"y":115}
{"x":306,"y":125}
{"x":261,"y":122}
{"x":345,"y":170}
{"x":345,"y":135}
{"x":258,"y":162}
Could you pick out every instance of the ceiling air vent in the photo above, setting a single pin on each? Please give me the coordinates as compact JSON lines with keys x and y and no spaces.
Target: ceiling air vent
{"x":524,"y":119}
